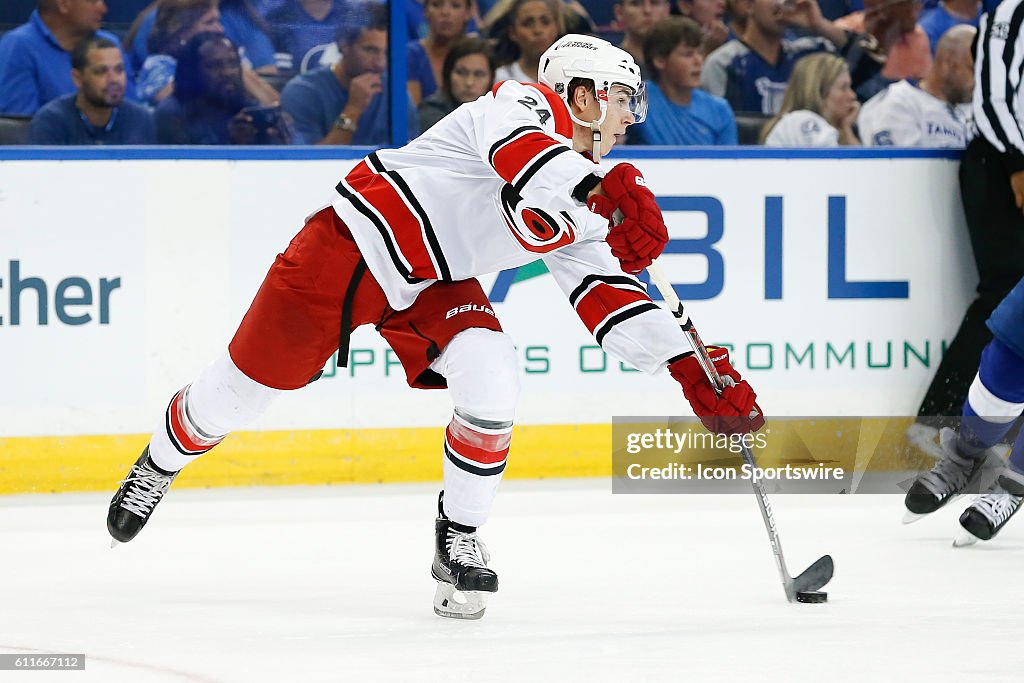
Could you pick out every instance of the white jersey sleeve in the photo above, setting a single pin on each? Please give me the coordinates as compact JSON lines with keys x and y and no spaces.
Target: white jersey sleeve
{"x":615,"y":307}
{"x":802,"y":129}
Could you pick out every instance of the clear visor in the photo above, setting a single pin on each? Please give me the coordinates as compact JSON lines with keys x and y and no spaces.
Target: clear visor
{"x":622,"y":99}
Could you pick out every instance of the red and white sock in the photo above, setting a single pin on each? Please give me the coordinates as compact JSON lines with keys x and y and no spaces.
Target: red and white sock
{"x":475,"y":451}
{"x":221,"y":400}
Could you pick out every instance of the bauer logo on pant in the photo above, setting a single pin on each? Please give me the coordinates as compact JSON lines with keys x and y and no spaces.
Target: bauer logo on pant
{"x":466,"y":308}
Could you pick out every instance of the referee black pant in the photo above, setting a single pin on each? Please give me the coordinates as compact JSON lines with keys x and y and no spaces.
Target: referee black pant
{"x":996,"y":229}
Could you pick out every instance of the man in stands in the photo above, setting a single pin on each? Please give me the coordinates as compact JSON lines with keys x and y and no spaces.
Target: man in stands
{"x":346,"y":104}
{"x":932,"y":113}
{"x":751,"y":72}
{"x":637,"y":17}
{"x":680,"y":112}
{"x":210,"y":106}
{"x":98,"y":113}
{"x":893,"y":24}
{"x":35,"y":58}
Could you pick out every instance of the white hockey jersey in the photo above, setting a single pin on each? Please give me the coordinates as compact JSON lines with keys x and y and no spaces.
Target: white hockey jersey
{"x":904,"y":115}
{"x":802,"y":128}
{"x":489,"y":188}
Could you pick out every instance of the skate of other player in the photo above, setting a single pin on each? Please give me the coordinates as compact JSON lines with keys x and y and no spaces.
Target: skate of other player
{"x":500,"y":182}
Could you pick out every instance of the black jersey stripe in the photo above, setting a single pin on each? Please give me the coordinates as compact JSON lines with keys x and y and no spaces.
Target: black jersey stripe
{"x":375,"y":162}
{"x":601,"y":332}
{"x":613,"y":280}
{"x":532,"y":170}
{"x":389,"y":243}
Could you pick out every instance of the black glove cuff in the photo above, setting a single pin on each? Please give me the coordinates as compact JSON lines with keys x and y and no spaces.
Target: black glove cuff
{"x":586,"y":185}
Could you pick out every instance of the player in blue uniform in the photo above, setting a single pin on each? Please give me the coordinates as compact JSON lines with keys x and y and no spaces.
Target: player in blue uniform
{"x":994,"y":403}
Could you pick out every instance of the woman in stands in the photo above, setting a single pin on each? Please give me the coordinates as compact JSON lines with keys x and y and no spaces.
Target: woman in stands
{"x":819,"y":107}
{"x":446,"y":22}
{"x":524,"y":30}
{"x":468,"y":74}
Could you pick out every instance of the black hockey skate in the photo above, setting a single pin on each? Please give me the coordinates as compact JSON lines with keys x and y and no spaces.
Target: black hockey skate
{"x":990,"y":511}
{"x":464,"y":583}
{"x":950,"y":477}
{"x":135,"y":501}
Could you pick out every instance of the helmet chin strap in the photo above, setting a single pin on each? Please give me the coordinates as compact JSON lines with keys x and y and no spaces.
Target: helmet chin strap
{"x":595,"y":128}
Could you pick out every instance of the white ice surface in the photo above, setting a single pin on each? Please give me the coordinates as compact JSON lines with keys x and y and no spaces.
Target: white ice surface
{"x":332,"y":584}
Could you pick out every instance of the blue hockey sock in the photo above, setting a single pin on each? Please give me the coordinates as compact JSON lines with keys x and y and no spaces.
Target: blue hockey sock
{"x":995,"y":400}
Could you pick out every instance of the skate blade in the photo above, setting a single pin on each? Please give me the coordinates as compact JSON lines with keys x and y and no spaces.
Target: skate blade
{"x":965,"y":539}
{"x":114,"y":543}
{"x":911,"y":517}
{"x":452,"y":603}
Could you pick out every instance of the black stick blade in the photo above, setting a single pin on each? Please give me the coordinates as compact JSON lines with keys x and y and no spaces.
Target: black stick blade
{"x":815,"y":576}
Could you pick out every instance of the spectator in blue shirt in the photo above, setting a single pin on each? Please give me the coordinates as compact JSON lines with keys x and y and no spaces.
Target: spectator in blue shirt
{"x":947,"y":14}
{"x":678,"y":111}
{"x":346,"y":104}
{"x":447,"y":21}
{"x":210,"y":106}
{"x":35,"y":58}
{"x":97,"y":114}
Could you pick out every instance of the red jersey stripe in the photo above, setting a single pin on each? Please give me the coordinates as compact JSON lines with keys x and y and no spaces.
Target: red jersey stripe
{"x":602,"y":301}
{"x":379,"y":193}
{"x":514,"y":156}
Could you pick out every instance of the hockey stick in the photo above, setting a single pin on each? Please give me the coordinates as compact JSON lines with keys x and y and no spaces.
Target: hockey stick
{"x":819,"y":573}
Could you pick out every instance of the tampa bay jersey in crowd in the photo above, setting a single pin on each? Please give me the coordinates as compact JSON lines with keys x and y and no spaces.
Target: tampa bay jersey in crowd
{"x":747,"y":81}
{"x":487,"y":188}
{"x":802,"y":128}
{"x":904,"y":115}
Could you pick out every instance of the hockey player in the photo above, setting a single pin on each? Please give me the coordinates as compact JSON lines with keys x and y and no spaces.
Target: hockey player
{"x":498,"y":183}
{"x":994,"y":403}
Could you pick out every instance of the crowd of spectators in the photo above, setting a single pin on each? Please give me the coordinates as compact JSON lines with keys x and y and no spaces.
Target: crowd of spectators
{"x":718,"y":72}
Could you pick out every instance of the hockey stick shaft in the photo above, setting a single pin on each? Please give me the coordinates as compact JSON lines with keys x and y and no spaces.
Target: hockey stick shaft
{"x":701,"y":353}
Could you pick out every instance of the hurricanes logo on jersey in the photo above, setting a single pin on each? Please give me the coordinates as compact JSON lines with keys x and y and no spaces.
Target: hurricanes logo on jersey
{"x":535,"y":229}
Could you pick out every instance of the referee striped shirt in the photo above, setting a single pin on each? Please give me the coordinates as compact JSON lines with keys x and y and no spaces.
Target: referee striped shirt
{"x":998,"y":66}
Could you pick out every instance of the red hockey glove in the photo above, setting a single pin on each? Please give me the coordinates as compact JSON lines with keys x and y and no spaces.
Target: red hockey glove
{"x":735,"y":411}
{"x":641,"y":236}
